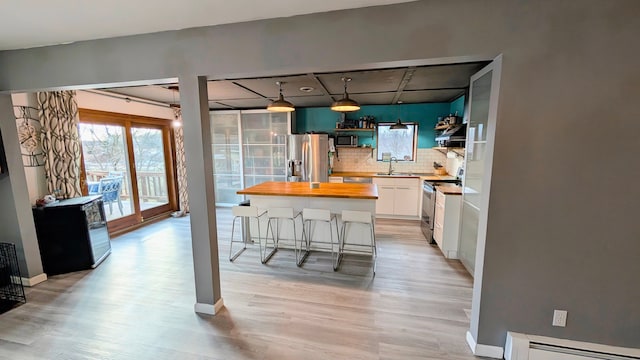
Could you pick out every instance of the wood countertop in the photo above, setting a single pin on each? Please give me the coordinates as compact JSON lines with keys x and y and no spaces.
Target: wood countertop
{"x":330,"y":190}
{"x":449,"y":189}
{"x":423,"y":176}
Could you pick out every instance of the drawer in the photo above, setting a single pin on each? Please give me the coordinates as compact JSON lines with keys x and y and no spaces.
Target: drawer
{"x":385,"y":181}
{"x":408,"y":183}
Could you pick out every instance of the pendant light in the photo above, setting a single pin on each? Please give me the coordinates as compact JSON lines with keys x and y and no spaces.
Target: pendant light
{"x":398,"y":125}
{"x":280,"y":105}
{"x":345,"y":104}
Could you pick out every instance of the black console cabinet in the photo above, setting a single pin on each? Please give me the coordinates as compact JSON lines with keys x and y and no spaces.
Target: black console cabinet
{"x":72,"y":234}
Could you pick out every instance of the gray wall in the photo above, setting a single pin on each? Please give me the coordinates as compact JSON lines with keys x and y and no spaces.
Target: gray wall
{"x":10,"y":232}
{"x":16,"y":220}
{"x":562,"y":229}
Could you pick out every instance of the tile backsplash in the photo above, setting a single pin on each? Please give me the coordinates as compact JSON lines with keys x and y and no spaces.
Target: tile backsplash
{"x":359,"y":159}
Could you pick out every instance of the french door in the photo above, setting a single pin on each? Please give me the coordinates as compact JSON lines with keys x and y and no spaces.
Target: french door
{"x":483,"y":104}
{"x":129,"y":161}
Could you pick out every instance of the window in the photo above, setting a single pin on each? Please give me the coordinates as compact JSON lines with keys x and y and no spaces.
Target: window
{"x":399,"y":144}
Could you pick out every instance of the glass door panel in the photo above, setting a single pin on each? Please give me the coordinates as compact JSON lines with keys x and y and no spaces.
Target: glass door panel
{"x":263,"y":138}
{"x":151,"y":172}
{"x":107,"y":167}
{"x":227,"y":168}
{"x":474,"y":168}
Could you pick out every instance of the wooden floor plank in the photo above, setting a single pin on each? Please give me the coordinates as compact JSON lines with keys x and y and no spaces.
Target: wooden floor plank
{"x":138,"y":304}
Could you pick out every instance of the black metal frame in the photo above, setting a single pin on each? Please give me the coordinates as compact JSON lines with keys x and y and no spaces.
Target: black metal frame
{"x":11,"y":289}
{"x":3,"y":160}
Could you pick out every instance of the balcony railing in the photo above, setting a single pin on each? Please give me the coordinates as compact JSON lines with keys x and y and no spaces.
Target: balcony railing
{"x":152,"y":186}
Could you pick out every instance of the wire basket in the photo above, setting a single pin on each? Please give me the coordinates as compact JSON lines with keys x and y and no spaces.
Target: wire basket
{"x":11,"y":289}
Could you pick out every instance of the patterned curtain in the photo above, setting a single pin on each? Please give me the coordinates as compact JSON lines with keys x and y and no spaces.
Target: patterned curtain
{"x":60,"y":142}
{"x":181,"y":167}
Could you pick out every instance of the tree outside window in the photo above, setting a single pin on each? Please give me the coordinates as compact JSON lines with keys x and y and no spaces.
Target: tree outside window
{"x":399,"y":144}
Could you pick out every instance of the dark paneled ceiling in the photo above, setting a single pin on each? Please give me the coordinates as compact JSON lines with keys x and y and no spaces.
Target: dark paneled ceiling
{"x":408,"y":85}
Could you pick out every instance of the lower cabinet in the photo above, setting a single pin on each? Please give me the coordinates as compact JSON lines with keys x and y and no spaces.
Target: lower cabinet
{"x":446,"y":226}
{"x":398,"y":197}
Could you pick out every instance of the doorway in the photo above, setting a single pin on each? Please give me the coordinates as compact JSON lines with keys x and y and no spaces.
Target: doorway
{"x":128,"y":159}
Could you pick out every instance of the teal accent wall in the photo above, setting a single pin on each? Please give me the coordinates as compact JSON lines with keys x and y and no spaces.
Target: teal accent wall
{"x":426,"y":115}
{"x":457,"y":105}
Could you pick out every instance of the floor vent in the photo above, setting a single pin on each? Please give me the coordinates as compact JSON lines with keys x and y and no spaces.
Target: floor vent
{"x":530,"y":347}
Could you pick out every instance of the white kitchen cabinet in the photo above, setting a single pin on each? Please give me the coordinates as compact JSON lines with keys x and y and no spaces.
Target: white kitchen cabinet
{"x":398,"y":197}
{"x":385,"y":202}
{"x":446,"y":226}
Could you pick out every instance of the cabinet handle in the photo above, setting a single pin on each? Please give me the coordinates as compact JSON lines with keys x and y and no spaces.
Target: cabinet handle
{"x":403,"y":188}
{"x":387,"y":187}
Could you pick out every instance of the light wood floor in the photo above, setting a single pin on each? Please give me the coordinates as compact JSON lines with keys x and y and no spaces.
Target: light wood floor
{"x":139,"y":304}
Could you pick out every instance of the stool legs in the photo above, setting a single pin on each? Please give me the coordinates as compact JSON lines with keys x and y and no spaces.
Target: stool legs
{"x":246,"y":213}
{"x":264,"y":256}
{"x":374,"y":248}
{"x":278,"y":214}
{"x":335,"y":245}
{"x":232,"y":255}
{"x":335,"y":259}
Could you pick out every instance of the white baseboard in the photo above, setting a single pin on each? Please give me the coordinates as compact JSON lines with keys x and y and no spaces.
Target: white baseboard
{"x":209,"y":309}
{"x":495,"y":352}
{"x":33,"y":281}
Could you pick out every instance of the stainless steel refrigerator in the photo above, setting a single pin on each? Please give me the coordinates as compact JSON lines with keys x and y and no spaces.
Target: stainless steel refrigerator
{"x":308,"y":157}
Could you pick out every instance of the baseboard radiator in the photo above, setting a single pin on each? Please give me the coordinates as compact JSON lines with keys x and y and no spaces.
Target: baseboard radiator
{"x":530,"y":347}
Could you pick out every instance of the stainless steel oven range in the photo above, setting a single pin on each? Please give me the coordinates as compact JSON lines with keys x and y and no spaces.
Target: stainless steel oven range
{"x":429,"y":206}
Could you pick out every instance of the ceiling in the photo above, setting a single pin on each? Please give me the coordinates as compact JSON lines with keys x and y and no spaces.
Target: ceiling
{"x":32,"y":23}
{"x":58,"y":23}
{"x":408,"y":85}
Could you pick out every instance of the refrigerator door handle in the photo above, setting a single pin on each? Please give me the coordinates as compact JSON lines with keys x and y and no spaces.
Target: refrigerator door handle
{"x":305,"y":162}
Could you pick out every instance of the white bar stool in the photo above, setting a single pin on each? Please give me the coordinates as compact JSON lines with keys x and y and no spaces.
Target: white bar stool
{"x":239,"y":212}
{"x":310,"y":216}
{"x":278,"y":214}
{"x":359,"y":217}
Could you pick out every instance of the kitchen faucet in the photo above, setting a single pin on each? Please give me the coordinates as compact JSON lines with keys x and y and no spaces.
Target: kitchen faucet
{"x":391,"y":162}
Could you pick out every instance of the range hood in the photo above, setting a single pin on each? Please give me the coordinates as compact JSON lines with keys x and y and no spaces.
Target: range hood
{"x":455,"y":136}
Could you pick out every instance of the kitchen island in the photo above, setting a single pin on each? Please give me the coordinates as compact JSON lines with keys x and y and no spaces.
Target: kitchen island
{"x":299,"y":195}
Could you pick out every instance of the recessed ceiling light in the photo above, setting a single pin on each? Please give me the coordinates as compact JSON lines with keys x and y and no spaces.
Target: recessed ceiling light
{"x":307,"y":89}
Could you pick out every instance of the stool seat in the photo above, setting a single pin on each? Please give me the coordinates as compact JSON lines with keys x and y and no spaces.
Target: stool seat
{"x":316,"y":214}
{"x":363,"y":217}
{"x":246,"y":211}
{"x":284,"y":213}
{"x":359,"y":217}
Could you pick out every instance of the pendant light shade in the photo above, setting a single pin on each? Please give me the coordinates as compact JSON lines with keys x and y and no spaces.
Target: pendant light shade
{"x":398,"y":126}
{"x":280,"y":105}
{"x":345,"y":104}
